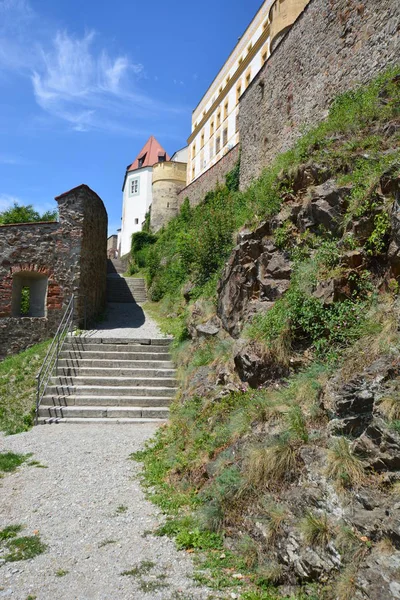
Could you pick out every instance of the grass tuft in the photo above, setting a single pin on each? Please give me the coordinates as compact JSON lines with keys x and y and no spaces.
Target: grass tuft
{"x":9,"y":461}
{"x":267,"y":465}
{"x":24,"y":548}
{"x":18,"y":388}
{"x":344,"y":467}
{"x":316,"y":529}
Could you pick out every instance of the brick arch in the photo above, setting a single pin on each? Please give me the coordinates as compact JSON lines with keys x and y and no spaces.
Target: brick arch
{"x":54,"y":300}
{"x":30,"y":267}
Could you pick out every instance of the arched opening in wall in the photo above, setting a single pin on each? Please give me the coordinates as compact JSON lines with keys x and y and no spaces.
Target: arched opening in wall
{"x":29,"y":293}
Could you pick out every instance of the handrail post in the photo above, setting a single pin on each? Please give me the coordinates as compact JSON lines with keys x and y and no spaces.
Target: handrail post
{"x":58,"y":352}
{"x":37,"y":399}
{"x":52,"y":357}
{"x":85,"y":313}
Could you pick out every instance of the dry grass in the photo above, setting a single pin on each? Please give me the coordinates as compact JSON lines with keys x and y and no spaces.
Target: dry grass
{"x":344,"y":467}
{"x":316,"y":529}
{"x":348,"y":542}
{"x":276,"y":515}
{"x":281,"y":347}
{"x":270,"y":572}
{"x":269,"y":465}
{"x":385,"y":546}
{"x":346,"y":585}
{"x":390,"y":407}
{"x":267,"y":409}
{"x":380,"y":336}
{"x":249,"y":551}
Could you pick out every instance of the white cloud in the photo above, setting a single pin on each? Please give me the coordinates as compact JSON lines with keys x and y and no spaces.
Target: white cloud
{"x":8,"y":159}
{"x":74,"y":78}
{"x":7,"y":200}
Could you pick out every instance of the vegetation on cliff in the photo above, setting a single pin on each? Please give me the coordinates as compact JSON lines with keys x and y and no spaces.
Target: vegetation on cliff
{"x":281,"y":462}
{"x":18,"y":388}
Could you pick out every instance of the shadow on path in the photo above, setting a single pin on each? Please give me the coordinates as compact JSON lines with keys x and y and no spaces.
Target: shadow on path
{"x":125,"y":320}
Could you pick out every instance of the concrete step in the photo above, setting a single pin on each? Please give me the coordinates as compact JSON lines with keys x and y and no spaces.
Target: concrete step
{"x":127,"y":300}
{"x":92,"y":421}
{"x":73,"y":363}
{"x":87,"y":340}
{"x":103,"y":412}
{"x":110,"y":347}
{"x":82,"y":371}
{"x":89,"y":355}
{"x":144,"y":401}
{"x":56,"y":391}
{"x":114,"y":381}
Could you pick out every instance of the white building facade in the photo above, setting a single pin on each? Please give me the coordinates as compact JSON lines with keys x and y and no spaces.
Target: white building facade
{"x":137,"y":194}
{"x":137,"y":199}
{"x":215,"y":119}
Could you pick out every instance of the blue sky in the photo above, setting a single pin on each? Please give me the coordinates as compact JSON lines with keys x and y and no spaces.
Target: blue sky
{"x":83,"y":84}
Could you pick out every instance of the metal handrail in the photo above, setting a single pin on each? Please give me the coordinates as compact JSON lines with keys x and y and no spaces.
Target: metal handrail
{"x":51,"y":360}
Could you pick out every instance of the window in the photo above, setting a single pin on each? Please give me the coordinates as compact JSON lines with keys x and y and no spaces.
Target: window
{"x":220,"y":89}
{"x":237,"y":122}
{"x":228,"y":79}
{"x":225,"y":137}
{"x":248,"y":78}
{"x":217,"y":145}
{"x":211,"y":151}
{"x":193,"y":172}
{"x":226,"y":108}
{"x":264,"y":54}
{"x":202,"y":139}
{"x":134,"y":187}
{"x":141,"y":160}
{"x":238,"y":92}
{"x":193,"y":150}
{"x":167,"y":204}
{"x":29,"y":294}
{"x":240,"y":60}
{"x":211,"y":128}
{"x":218,"y":118}
{"x":162,"y":158}
{"x":136,"y":221}
{"x":250,"y":47}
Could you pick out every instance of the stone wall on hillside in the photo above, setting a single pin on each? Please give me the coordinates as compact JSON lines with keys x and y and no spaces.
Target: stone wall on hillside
{"x":87,"y":210}
{"x":210,"y":179}
{"x":52,"y":261}
{"x":333,"y":46}
{"x":168,"y":180}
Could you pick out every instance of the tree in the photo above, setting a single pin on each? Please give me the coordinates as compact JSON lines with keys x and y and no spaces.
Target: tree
{"x":25,"y":214}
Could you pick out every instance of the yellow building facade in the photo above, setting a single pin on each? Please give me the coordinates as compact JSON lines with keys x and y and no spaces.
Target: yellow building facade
{"x":216,"y":118}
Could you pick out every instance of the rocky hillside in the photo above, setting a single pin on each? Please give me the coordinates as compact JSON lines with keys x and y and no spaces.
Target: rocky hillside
{"x":282,"y":459}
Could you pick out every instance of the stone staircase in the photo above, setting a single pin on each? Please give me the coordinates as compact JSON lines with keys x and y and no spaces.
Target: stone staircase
{"x":125,"y":289}
{"x":102,"y":380}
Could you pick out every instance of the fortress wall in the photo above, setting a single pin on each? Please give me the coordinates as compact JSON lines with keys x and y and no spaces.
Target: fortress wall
{"x":83,"y":215}
{"x":168,"y":180}
{"x":210,"y":179}
{"x":332,"y":47}
{"x":68,"y":256}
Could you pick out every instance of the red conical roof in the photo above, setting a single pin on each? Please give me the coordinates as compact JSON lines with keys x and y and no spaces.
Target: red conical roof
{"x":149,"y":154}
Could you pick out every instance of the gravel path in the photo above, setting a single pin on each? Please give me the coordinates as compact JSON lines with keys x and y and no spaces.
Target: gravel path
{"x":126,"y":321}
{"x":73,"y":503}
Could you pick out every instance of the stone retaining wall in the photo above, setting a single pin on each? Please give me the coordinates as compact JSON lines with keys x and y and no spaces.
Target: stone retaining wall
{"x":69,"y":255}
{"x":210,"y":179}
{"x":333,"y":46}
